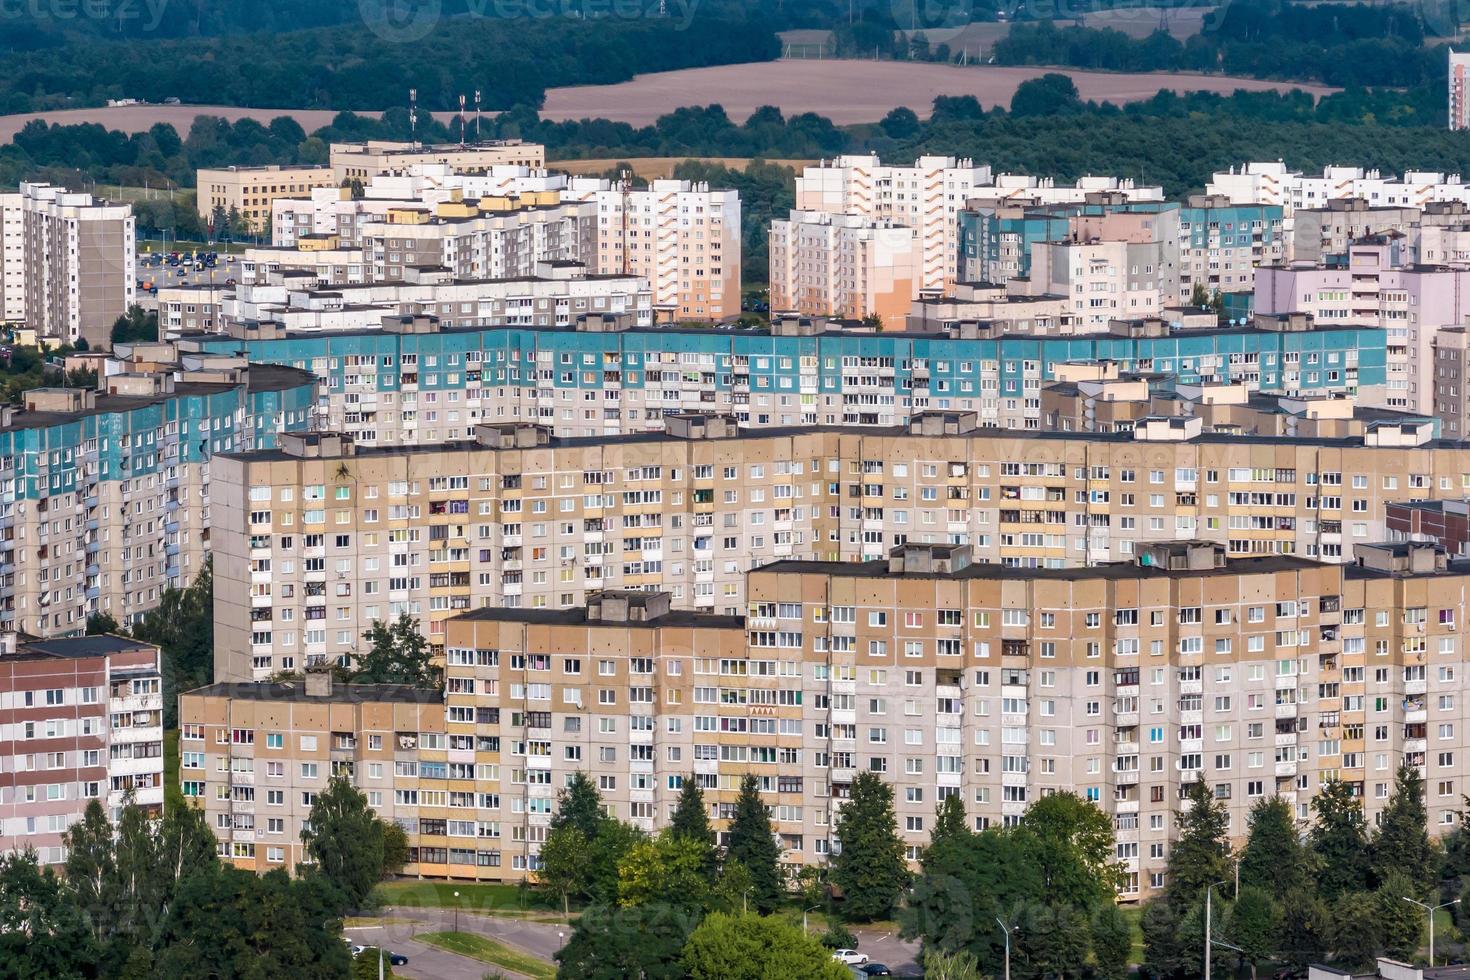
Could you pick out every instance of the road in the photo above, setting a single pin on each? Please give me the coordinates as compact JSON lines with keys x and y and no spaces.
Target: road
{"x":542,"y":940}
{"x":397,"y":929}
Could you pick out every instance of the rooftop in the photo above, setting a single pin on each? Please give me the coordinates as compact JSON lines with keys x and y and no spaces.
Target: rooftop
{"x":579,"y":617}
{"x":76,"y":647}
{"x":340,"y":693}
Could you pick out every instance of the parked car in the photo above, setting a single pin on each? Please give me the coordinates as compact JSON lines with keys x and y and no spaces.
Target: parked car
{"x":875,"y":970}
{"x":397,"y":959}
{"x":851,"y":957}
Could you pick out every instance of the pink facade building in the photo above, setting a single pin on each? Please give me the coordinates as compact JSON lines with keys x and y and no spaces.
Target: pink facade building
{"x":81,"y":718}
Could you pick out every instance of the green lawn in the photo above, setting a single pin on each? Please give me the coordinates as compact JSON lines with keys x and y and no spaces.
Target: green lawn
{"x":473,"y":896}
{"x":489,"y":951}
{"x":1135,"y":925}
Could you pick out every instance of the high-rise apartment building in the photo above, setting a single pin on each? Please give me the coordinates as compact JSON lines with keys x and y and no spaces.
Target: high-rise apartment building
{"x":844,"y":265}
{"x":104,"y":494}
{"x":1112,"y":265}
{"x":81,"y":719}
{"x":1459,"y":91}
{"x":1124,"y":682}
{"x":67,"y":262}
{"x":599,"y":379}
{"x":317,"y":540}
{"x":680,"y":235}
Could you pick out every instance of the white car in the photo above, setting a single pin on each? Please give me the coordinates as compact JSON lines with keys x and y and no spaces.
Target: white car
{"x":850,"y":957}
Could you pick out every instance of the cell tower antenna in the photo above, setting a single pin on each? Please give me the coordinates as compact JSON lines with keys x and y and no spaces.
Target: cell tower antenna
{"x":477,"y":115}
{"x":461,"y":120}
{"x":413,"y":116}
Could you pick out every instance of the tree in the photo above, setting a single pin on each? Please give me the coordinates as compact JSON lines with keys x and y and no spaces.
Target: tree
{"x":1339,"y":840}
{"x":951,"y":966}
{"x":752,"y":947}
{"x":754,"y":846}
{"x":344,"y":840}
{"x":102,"y":622}
{"x":365,"y":965}
{"x":691,"y":822}
{"x":1073,"y":844}
{"x":1401,"y":925}
{"x":1356,"y":931}
{"x":135,"y":325}
{"x":1201,"y":855}
{"x":43,"y":933}
{"x":1304,"y":926}
{"x":1053,"y":94}
{"x":869,"y":867}
{"x":612,"y":944}
{"x":732,"y":890}
{"x":1053,"y":941}
{"x":901,"y":123}
{"x":1254,"y":925}
{"x":1274,"y":858}
{"x":395,"y":848}
{"x":1402,"y":846}
{"x":91,"y":870}
{"x":397,"y":654}
{"x":1112,"y":942}
{"x":579,"y":805}
{"x":664,"y":870}
{"x":232,"y":923}
{"x":182,"y":625}
{"x":564,"y":864}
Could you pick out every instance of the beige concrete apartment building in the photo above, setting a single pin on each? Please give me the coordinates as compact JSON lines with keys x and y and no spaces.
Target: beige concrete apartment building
{"x":81,"y":719}
{"x":253,"y":758}
{"x":191,"y":309}
{"x":1262,"y":676}
{"x":363,"y":161}
{"x":67,"y":263}
{"x":843,"y":265}
{"x":250,"y":192}
{"x":315,"y":541}
{"x":680,"y":235}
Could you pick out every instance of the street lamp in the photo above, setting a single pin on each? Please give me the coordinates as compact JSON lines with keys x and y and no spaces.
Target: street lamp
{"x":803,"y":917}
{"x":1431,"y":910}
{"x":1209,"y":896}
{"x":456,"y":911}
{"x":1007,"y":930}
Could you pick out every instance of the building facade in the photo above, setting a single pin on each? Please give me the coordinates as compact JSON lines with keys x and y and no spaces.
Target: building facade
{"x":68,"y":263}
{"x":363,"y":161}
{"x":81,"y":719}
{"x":104,"y":494}
{"x":596,"y":381}
{"x":1264,"y":676}
{"x":247,"y":194}
{"x":314,"y":542}
{"x":843,"y":265}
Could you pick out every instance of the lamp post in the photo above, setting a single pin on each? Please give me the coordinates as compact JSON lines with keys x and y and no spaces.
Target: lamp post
{"x":1209,"y":896}
{"x":456,"y":911}
{"x":1007,"y":930}
{"x":804,"y":915}
{"x":1430,"y":910}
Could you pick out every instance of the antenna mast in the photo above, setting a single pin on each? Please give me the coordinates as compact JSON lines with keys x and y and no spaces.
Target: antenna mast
{"x":461,"y":120}
{"x":413,"y":114}
{"x":477,"y":115}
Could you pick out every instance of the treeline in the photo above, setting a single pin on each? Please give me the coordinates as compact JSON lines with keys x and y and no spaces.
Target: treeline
{"x":1349,"y":45}
{"x":1336,"y":895}
{"x":151,"y":898}
{"x":511,"y":61}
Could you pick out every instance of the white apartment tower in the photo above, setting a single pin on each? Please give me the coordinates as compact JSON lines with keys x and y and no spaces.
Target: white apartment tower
{"x":926,"y":197}
{"x":1459,"y":103}
{"x":69,"y":264}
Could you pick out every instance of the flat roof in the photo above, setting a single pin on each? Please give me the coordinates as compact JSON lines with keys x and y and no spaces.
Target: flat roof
{"x":995,"y":571}
{"x":295,"y":691}
{"x":781,"y":432}
{"x":578,"y":617}
{"x":75,"y":647}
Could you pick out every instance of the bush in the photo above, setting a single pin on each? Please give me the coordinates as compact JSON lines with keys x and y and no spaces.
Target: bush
{"x":838,"y":936}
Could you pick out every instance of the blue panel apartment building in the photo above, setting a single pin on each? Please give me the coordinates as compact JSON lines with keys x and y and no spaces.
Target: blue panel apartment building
{"x":104,"y":498}
{"x":391,"y":388}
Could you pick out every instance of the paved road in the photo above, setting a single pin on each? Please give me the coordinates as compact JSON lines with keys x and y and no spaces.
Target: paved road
{"x":885,"y":947}
{"x":397,"y":930}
